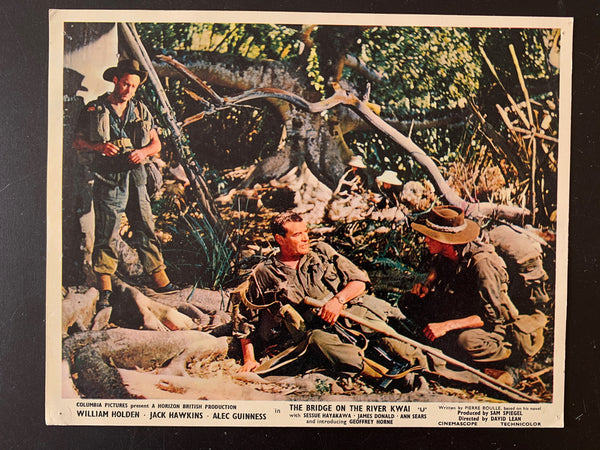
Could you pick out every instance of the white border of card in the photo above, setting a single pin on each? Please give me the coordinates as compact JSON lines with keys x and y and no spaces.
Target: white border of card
{"x":61,"y":410}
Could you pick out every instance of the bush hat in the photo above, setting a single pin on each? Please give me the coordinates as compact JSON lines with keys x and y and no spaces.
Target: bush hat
{"x":356,"y":161}
{"x":124,"y":66}
{"x":389,"y":177}
{"x":447,"y":224}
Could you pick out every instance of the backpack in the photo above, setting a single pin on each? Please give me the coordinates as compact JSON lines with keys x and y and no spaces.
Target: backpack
{"x":523,"y":257}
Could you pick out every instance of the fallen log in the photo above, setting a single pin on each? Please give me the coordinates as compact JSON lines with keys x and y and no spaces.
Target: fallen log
{"x":217,"y":387}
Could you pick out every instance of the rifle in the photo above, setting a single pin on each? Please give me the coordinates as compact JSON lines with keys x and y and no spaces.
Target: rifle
{"x":386,"y":330}
{"x":396,"y":367}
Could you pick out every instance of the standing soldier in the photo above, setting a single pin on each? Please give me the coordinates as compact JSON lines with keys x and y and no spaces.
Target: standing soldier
{"x":118,"y":133}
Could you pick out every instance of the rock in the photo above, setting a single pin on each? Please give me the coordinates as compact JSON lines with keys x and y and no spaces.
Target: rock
{"x":102,"y":318}
{"x":78,"y":310}
{"x":336,"y":389}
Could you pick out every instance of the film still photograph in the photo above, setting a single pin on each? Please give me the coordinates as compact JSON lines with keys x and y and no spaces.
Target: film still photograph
{"x":277,"y":219}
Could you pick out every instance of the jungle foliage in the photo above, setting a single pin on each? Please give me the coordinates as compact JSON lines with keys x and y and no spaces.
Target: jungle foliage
{"x":466,"y":79}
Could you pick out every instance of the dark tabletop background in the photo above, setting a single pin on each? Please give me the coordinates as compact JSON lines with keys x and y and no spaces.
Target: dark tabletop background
{"x":23,"y":150}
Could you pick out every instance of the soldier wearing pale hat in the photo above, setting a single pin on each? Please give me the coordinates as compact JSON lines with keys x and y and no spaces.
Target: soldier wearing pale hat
{"x":353,"y":180}
{"x":389,"y":186}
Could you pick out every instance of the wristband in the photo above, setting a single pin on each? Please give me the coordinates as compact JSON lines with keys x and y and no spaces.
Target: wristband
{"x":342,"y":302}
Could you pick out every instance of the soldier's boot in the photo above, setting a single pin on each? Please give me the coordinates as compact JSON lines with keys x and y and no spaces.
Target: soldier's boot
{"x":104,"y":300}
{"x":105,"y":288}
{"x":162,"y":283}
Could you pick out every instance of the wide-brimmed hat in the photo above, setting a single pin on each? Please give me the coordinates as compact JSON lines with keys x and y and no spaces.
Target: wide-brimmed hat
{"x":447,"y":224}
{"x":389,"y":177}
{"x":356,"y":161}
{"x":124,"y":66}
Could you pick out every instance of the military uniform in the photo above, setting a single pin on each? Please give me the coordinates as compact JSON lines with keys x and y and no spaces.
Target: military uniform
{"x":320,"y":274}
{"x":477,"y":285}
{"x":120,"y":187}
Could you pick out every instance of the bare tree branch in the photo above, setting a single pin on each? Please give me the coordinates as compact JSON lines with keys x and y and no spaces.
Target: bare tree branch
{"x":317,"y":107}
{"x":360,"y":67}
{"x":475,"y":210}
{"x":346,"y":98}
{"x":192,"y":77}
{"x":361,"y":107}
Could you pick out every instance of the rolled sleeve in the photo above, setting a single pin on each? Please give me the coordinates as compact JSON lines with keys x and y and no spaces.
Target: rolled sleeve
{"x":347,"y":270}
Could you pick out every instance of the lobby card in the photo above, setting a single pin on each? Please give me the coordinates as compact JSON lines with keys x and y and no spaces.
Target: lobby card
{"x":259,"y":112}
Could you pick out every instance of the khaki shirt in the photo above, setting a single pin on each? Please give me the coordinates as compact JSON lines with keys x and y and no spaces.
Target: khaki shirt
{"x":321,"y":273}
{"x":477,"y":285}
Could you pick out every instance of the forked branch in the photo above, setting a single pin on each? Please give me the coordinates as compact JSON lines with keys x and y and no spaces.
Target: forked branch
{"x":361,"y":107}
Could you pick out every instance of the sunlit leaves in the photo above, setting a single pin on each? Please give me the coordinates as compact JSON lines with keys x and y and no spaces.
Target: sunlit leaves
{"x":428,"y":73}
{"x":251,"y":40}
{"x":432,"y":68}
{"x":314,"y":74}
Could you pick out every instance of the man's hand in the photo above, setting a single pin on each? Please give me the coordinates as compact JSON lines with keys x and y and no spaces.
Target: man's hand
{"x":106,"y":148}
{"x":436,"y":330}
{"x":249,"y":366}
{"x":250,"y":363}
{"x":331,"y":310}
{"x":420,"y":289}
{"x":137,"y":156}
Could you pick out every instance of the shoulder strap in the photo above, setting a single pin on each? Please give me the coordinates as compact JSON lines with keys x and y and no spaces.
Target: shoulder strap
{"x":242,"y":293}
{"x":137,"y":108}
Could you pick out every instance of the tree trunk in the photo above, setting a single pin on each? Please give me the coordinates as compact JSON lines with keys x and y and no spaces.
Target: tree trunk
{"x":309,"y":138}
{"x":322,"y":148}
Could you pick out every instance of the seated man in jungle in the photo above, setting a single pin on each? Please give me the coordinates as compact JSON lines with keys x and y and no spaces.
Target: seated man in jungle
{"x":353,"y":180}
{"x":270,"y":313}
{"x":463,"y":303}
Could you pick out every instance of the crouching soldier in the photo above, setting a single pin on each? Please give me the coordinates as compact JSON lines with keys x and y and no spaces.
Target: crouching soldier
{"x":270,"y":314}
{"x":463,"y":304}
